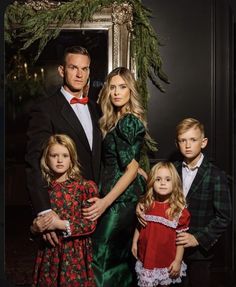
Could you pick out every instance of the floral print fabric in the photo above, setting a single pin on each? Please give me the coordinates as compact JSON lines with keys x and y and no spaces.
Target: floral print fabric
{"x":68,"y":263}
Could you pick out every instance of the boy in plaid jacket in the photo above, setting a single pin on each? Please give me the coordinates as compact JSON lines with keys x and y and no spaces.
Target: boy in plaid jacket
{"x":208,"y":199}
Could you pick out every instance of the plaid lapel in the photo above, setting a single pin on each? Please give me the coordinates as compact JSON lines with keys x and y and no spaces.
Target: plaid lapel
{"x":178,"y":166}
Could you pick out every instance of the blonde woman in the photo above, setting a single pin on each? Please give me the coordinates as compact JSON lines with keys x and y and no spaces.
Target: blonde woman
{"x":159,"y":261}
{"x":124,"y":131}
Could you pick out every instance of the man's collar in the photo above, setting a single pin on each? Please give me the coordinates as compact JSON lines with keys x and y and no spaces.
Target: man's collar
{"x":66,"y":94}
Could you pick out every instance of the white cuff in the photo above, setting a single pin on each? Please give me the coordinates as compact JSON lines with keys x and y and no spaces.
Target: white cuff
{"x":44,"y":211}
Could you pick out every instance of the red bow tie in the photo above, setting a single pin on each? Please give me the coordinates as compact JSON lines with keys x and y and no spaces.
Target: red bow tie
{"x":83,"y":101}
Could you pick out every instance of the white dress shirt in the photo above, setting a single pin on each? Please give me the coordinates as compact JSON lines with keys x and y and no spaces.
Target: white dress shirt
{"x":189,"y":173}
{"x":83,"y":114}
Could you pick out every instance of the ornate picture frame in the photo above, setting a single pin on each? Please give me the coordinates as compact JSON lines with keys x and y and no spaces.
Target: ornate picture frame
{"x":116,"y":20}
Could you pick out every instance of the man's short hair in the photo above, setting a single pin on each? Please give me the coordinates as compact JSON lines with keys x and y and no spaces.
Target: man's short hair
{"x":75,"y":50}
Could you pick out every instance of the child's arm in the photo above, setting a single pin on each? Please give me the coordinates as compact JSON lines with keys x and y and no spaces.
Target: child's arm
{"x":77,"y":225}
{"x":184,"y":238}
{"x":182,"y":227}
{"x":134,"y":248}
{"x":50,"y":224}
{"x":174,"y":268}
{"x":59,"y":224}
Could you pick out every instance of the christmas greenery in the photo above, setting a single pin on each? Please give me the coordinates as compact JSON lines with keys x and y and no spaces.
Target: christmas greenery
{"x":32,"y":26}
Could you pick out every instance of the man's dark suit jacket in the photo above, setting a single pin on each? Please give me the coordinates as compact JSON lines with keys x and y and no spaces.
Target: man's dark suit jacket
{"x":208,"y":202}
{"x":54,"y":115}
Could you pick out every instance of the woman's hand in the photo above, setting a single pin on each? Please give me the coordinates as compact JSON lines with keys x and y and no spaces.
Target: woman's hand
{"x":140,"y":214}
{"x":99,"y":205}
{"x":143,"y":173}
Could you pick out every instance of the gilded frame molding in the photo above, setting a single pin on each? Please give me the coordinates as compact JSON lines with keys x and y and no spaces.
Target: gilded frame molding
{"x":116,"y":19}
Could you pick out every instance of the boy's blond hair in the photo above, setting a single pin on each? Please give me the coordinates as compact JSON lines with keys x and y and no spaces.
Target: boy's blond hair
{"x":187,"y":124}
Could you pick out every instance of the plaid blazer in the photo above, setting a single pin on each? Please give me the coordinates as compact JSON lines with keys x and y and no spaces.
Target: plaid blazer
{"x":209,"y":204}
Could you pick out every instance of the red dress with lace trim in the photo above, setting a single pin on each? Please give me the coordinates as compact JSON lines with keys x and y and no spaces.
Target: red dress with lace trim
{"x":156,"y":244}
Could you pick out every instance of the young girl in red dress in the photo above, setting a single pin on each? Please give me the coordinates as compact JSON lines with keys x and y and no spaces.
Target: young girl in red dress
{"x":159,"y":260}
{"x":69,"y":262}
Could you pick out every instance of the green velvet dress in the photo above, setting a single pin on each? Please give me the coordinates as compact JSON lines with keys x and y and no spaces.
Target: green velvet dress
{"x":113,"y":261}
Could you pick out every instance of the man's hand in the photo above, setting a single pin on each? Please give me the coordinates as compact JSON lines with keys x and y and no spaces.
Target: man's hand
{"x":41,"y":223}
{"x":51,"y":237}
{"x":186,"y":239}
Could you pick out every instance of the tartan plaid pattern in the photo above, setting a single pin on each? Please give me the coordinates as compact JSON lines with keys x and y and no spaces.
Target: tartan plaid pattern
{"x":209,"y":204}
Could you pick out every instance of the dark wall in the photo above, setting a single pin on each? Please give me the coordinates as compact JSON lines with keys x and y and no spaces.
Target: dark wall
{"x":196,"y":38}
{"x":197,"y":55}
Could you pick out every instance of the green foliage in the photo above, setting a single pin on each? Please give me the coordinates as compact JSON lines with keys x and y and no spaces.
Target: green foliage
{"x":145,"y":48}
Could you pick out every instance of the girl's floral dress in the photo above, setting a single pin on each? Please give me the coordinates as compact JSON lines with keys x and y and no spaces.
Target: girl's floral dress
{"x":68,"y":263}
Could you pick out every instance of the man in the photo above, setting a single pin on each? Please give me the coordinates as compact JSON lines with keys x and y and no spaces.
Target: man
{"x":64,"y":114}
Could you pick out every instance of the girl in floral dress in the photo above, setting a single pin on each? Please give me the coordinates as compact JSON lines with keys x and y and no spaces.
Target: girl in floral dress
{"x":69,"y":262}
{"x":159,"y":260}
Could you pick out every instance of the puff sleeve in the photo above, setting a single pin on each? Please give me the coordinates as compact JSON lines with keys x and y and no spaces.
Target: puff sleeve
{"x":184,"y":220}
{"x":130,"y":137}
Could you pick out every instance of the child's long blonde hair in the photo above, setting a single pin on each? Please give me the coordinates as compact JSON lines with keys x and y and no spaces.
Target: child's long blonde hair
{"x":176,"y":199}
{"x":66,"y":141}
{"x":110,"y":115}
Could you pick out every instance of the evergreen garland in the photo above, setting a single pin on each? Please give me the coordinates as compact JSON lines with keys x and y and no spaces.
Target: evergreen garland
{"x":29,"y":25}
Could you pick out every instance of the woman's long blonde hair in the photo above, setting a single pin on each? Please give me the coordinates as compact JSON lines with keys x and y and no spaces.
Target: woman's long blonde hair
{"x":110,"y":115}
{"x":176,"y":199}
{"x":66,"y":141}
